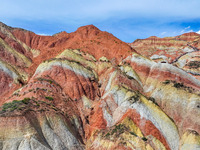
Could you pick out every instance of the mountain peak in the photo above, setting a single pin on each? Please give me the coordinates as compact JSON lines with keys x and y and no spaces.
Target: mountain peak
{"x":84,"y":87}
{"x":153,"y":37}
{"x":61,"y":34}
{"x":88,"y":27}
{"x":190,"y":34}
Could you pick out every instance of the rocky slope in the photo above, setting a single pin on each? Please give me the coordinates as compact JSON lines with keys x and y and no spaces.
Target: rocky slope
{"x":89,"y":90}
{"x":181,"y":51}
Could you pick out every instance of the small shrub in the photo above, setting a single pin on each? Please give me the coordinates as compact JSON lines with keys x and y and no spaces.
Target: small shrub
{"x":119,"y":129}
{"x":107,"y":135}
{"x":54,"y":108}
{"x":129,"y":77}
{"x":26,"y":100}
{"x":43,"y":79}
{"x":153,"y":100}
{"x":16,"y":94}
{"x":49,"y":98}
{"x":113,"y":131}
{"x":144,"y":139}
{"x":166,"y":82}
{"x":133,"y":133}
{"x":134,"y":98}
{"x":178,"y":85}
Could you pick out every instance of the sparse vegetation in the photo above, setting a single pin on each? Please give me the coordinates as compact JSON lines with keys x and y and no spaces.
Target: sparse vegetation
{"x":16,"y":104}
{"x":107,"y":135}
{"x":11,"y":106}
{"x":133,"y":133}
{"x":43,"y":79}
{"x":26,"y":100}
{"x":30,"y":90}
{"x":49,"y":98}
{"x":178,"y":85}
{"x":54,"y":108}
{"x":116,"y":131}
{"x":48,"y":80}
{"x":194,"y":64}
{"x":129,"y":77}
{"x":134,"y":98}
{"x":115,"y":41}
{"x":144,"y":139}
{"x":153,"y":100}
{"x":166,"y":82}
{"x":16,"y":94}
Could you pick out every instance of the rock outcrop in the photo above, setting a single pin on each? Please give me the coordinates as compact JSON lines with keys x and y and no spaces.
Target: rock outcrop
{"x":181,"y":51}
{"x":89,"y":90}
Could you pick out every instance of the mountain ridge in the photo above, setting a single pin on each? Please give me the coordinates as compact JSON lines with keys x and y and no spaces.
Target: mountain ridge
{"x":89,"y":90}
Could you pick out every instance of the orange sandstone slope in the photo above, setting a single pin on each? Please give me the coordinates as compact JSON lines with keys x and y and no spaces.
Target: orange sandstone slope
{"x":89,"y":90}
{"x":87,"y":39}
{"x":25,"y":50}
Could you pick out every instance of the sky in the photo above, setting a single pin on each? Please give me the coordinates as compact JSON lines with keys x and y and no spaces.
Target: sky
{"x":128,"y":20}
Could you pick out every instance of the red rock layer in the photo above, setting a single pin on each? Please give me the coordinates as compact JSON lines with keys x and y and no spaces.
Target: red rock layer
{"x":7,"y":85}
{"x":146,"y":126}
{"x":73,"y":85}
{"x":88,"y":39}
{"x":171,"y":47}
{"x":86,"y":97}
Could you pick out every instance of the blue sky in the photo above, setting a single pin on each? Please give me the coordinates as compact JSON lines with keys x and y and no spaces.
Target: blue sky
{"x":126,"y":19}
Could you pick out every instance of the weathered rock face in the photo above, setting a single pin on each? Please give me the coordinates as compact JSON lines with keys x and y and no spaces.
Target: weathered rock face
{"x":171,"y":47}
{"x":181,"y":51}
{"x":67,"y":92}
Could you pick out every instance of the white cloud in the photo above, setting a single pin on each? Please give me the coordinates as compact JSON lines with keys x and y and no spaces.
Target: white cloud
{"x":135,"y":18}
{"x":186,"y":30}
{"x":44,"y":34}
{"x":163,"y":33}
{"x":190,"y":31}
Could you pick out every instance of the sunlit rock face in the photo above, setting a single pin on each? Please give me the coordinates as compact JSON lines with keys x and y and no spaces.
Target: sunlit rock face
{"x":89,"y":90}
{"x":181,"y":51}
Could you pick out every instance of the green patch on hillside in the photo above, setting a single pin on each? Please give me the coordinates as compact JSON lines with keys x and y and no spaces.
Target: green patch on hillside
{"x":47,"y":80}
{"x":49,"y":98}
{"x":16,"y":104}
{"x":116,"y":131}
